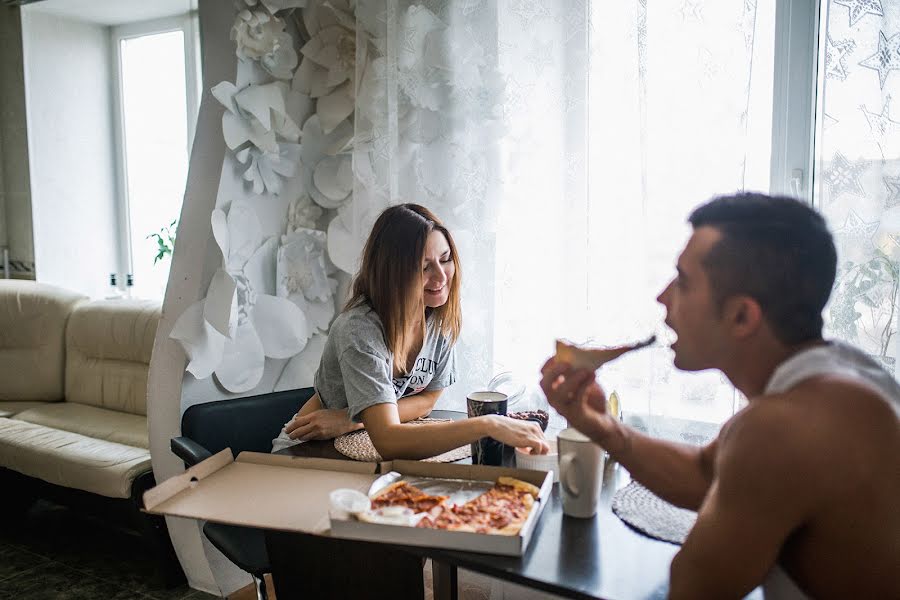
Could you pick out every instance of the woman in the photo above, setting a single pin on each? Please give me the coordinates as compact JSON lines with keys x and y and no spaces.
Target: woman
{"x":389,"y":354}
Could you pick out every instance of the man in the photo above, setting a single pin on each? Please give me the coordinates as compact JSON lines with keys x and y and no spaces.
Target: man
{"x":800,"y":491}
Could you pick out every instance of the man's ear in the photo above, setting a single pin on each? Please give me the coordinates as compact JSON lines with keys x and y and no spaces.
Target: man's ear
{"x":743,"y":314}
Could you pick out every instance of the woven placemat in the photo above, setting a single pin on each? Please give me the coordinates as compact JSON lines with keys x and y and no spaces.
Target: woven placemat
{"x":358,"y":446}
{"x":651,"y":515}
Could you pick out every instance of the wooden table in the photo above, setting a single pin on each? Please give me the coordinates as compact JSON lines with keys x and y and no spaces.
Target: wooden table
{"x":599,"y":557}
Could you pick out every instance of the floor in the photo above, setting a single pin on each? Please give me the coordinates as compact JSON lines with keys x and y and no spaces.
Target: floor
{"x":59,"y":554}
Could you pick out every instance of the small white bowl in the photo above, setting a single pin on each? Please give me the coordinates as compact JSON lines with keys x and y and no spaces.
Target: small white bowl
{"x":346,"y":502}
{"x":539,"y":462}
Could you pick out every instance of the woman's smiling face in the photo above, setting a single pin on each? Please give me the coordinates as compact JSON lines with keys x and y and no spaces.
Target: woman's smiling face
{"x":437,"y":270}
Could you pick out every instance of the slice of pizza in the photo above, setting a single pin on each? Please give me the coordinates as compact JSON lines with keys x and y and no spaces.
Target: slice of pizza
{"x":594,"y":358}
{"x":405,"y":495}
{"x":521,"y":487}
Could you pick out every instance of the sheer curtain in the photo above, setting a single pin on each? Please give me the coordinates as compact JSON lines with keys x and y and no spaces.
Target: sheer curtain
{"x":565,"y":143}
{"x":857,"y":181}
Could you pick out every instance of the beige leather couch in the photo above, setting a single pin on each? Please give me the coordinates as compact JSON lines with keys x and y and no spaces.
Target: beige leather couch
{"x":73,"y":396}
{"x":73,"y":387}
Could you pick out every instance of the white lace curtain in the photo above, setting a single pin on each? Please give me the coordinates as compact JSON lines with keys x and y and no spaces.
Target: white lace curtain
{"x":564,"y":143}
{"x":857,"y":182}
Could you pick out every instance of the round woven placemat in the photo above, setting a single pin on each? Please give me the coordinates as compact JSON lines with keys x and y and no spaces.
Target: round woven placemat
{"x":358,"y":446}
{"x":651,"y":515}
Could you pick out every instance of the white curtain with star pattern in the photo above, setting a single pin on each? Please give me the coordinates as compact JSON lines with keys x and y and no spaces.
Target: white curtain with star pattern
{"x":564,"y":143}
{"x":857,"y":184}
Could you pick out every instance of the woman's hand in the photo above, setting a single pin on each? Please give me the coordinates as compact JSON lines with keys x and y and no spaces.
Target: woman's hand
{"x":520,"y":434}
{"x":322,"y":424}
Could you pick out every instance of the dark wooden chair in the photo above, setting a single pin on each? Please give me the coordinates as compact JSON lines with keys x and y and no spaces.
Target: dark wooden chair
{"x":240,"y":424}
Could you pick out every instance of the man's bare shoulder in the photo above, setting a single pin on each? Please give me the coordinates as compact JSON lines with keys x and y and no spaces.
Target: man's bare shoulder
{"x":805,"y":431}
{"x":829,"y":405}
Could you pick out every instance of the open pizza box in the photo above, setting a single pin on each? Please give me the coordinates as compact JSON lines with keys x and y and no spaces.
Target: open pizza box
{"x":291,"y":493}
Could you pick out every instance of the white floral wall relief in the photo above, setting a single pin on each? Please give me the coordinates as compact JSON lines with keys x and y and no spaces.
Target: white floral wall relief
{"x":340,"y":109}
{"x":241,"y":321}
{"x":288,"y":127}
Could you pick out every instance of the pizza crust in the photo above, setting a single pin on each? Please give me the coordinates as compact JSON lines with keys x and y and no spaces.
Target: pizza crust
{"x":511,"y":529}
{"x":524,"y":486}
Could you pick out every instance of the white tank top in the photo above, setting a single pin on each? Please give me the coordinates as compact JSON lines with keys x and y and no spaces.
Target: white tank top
{"x":835,"y":359}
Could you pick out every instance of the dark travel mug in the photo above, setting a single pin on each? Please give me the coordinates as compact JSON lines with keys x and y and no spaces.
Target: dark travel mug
{"x":486,"y":451}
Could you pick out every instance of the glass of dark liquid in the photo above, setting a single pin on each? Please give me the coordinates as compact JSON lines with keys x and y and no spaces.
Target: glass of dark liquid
{"x":486,"y":451}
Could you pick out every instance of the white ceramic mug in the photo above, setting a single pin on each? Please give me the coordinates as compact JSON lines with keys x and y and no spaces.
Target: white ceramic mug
{"x":580,"y":473}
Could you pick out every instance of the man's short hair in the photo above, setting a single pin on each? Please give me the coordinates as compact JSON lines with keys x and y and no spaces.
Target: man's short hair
{"x":776,"y":250}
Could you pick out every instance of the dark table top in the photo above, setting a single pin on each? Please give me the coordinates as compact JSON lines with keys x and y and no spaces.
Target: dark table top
{"x":599,"y":557}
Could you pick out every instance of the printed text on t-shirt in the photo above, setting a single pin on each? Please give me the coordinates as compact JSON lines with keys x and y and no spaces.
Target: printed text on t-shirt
{"x":422,"y":373}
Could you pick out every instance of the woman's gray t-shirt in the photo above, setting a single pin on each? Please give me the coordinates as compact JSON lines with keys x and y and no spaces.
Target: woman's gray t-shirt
{"x":356,"y":367}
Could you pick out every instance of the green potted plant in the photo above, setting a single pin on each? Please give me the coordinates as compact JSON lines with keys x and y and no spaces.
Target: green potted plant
{"x":165,"y":240}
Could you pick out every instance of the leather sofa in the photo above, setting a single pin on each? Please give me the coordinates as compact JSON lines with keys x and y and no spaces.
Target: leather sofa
{"x":73,"y":403}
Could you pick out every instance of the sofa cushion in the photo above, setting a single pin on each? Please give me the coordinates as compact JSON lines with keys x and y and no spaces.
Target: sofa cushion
{"x":8,"y":409}
{"x":108,"y":348}
{"x":70,"y":459}
{"x":100,"y":423}
{"x":32,"y":339}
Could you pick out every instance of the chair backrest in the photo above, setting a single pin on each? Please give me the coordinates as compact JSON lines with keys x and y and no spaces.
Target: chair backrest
{"x":241,"y":424}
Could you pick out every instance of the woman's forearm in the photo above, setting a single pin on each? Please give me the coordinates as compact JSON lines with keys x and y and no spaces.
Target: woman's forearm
{"x":394,"y":439}
{"x":310,"y":406}
{"x":414,"y":407}
{"x":423,"y":441}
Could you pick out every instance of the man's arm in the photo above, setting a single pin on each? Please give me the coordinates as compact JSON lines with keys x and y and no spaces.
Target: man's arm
{"x":764,"y":490}
{"x":679,"y":473}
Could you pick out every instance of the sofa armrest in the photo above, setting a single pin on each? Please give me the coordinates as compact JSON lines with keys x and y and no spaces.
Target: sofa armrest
{"x":189,"y":451}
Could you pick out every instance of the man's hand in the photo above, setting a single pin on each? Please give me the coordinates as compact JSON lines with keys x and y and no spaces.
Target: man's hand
{"x":323,"y":424}
{"x":576,"y":395}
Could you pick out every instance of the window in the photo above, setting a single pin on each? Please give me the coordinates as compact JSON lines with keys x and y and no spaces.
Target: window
{"x":158,"y":89}
{"x":684,"y":101}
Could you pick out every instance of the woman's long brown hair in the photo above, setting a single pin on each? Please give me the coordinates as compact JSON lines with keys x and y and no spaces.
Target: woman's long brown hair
{"x":390,"y":278}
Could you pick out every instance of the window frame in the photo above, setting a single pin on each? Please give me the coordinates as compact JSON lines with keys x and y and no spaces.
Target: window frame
{"x":794,"y":97}
{"x":189,"y":25}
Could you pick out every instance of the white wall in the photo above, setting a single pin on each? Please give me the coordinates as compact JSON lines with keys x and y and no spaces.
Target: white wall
{"x":68,"y":79}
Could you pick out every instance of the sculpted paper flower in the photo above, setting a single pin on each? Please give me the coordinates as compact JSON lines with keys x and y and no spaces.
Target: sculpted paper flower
{"x":330,"y":55}
{"x":239,"y":126}
{"x":304,"y":275}
{"x":325,"y":162}
{"x":344,"y":248}
{"x":261,"y":36}
{"x":281,"y":60}
{"x":266,"y":169}
{"x":302,"y":214}
{"x":241,"y":321}
{"x":256,"y":113}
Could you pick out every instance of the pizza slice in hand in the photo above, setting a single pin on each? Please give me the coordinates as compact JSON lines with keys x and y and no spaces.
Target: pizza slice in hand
{"x":594,"y":358}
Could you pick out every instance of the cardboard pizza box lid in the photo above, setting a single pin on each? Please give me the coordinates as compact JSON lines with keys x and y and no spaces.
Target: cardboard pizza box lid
{"x":259,"y":490}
